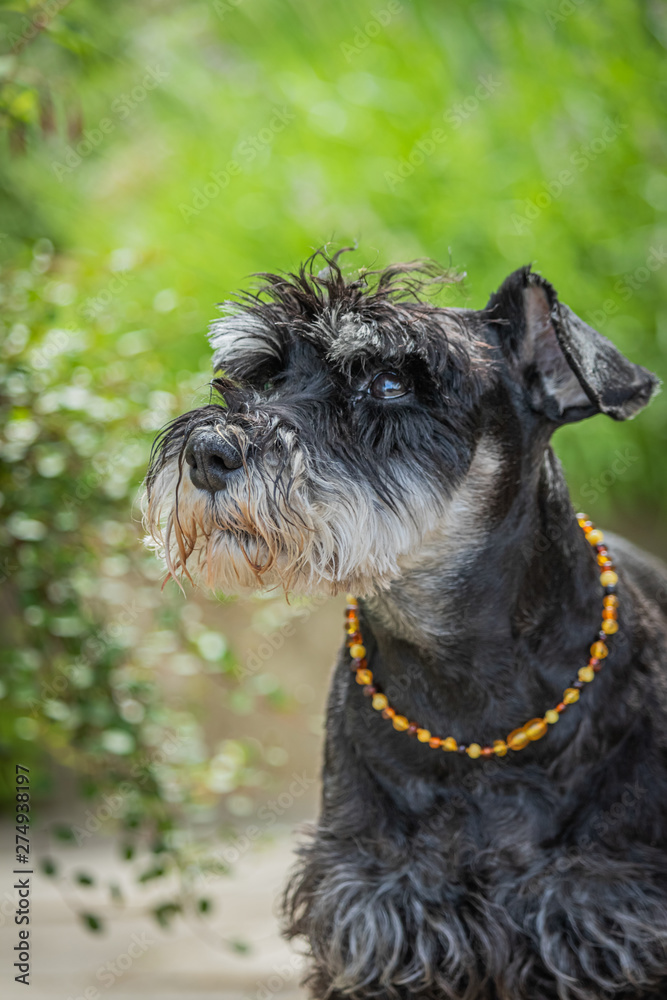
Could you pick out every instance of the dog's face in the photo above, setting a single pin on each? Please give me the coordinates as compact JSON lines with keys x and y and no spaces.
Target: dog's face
{"x":355,"y":423}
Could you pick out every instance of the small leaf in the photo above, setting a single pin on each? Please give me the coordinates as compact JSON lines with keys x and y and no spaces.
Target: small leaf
{"x":65,"y":833}
{"x":241,"y":947}
{"x":127,"y":852}
{"x":48,"y":866}
{"x":164,"y":913}
{"x":92,"y":922}
{"x":156,"y":872}
{"x":84,"y":879}
{"x":116,"y":893}
{"x":204,"y":905}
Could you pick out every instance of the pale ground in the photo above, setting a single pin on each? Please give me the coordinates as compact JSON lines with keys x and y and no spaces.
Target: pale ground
{"x":184,"y":963}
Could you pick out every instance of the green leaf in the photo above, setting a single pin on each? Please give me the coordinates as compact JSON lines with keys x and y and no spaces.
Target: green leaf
{"x":92,"y":922}
{"x":64,"y":833}
{"x":165,"y":913}
{"x":82,"y":878}
{"x":48,"y":867}
{"x":157,"y":872}
{"x":241,"y":947}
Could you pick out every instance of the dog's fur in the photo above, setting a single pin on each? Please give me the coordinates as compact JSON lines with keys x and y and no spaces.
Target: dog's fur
{"x":537,"y":876}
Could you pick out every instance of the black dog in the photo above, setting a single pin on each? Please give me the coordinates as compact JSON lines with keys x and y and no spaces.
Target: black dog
{"x":368,"y":441}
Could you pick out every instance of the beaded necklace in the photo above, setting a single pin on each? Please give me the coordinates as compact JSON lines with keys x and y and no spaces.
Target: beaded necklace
{"x":535,"y":728}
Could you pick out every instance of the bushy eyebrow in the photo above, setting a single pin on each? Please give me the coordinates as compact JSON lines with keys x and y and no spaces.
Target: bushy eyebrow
{"x":243,"y":344}
{"x":351,"y":322}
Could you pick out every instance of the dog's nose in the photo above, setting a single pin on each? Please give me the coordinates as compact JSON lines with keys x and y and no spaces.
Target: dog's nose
{"x":212,"y":459}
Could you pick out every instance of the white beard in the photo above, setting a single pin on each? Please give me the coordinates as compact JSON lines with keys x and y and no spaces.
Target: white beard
{"x":333,"y":535}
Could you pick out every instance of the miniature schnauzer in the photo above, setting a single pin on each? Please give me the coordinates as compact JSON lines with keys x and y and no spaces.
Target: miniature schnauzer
{"x":362,"y":439}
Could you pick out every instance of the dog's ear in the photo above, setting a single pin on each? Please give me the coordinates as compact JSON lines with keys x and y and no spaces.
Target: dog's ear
{"x":569,"y":369}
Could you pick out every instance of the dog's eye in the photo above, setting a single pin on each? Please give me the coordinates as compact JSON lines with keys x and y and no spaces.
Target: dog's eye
{"x":387,"y":385}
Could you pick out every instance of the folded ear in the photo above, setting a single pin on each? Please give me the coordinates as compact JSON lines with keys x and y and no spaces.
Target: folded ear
{"x":570,"y":371}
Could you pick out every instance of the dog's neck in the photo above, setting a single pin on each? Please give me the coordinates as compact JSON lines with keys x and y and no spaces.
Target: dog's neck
{"x":494,"y":614}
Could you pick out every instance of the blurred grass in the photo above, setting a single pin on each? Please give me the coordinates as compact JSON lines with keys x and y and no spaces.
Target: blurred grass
{"x":156,"y":154}
{"x":360,"y":87}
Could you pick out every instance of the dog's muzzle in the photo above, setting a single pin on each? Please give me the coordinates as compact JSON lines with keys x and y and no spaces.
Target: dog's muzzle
{"x":213,"y":459}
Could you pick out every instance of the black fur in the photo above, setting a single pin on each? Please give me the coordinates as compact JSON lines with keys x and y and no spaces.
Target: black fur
{"x":541,"y":875}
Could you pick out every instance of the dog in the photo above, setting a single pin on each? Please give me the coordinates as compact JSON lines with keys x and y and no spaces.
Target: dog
{"x":362,"y":439}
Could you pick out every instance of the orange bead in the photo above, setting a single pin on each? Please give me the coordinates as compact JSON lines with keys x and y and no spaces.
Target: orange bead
{"x":351,"y":600}
{"x":357,"y":651}
{"x":499,"y":748}
{"x":450,"y":744}
{"x":400,"y":722}
{"x":474,"y":751}
{"x":595,"y":536}
{"x":609,"y":627}
{"x":608,"y":578}
{"x":435,"y":742}
{"x":599,"y":650}
{"x":389,"y":712}
{"x":517,"y":739}
{"x":586,"y":674}
{"x":610,"y":601}
{"x":570,"y":695}
{"x":379,"y":701}
{"x":609,"y":613}
{"x":364,"y":677}
{"x":560,"y":707}
{"x":535,"y":729}
{"x":423,"y":735}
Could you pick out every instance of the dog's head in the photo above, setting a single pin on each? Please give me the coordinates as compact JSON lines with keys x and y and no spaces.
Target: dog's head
{"x":352,"y":422}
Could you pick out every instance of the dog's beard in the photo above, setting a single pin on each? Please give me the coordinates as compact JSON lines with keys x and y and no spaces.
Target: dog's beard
{"x":278,"y":523}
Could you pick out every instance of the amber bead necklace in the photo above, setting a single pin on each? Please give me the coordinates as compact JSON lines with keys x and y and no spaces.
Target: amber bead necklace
{"x":535,"y":728}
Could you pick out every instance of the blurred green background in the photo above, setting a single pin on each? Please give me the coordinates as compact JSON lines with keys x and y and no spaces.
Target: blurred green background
{"x":154,"y":154}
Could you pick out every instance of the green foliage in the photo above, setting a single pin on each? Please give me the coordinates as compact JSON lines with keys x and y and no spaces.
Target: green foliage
{"x":241,"y":134}
{"x":77,"y":687}
{"x":154,"y":155}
